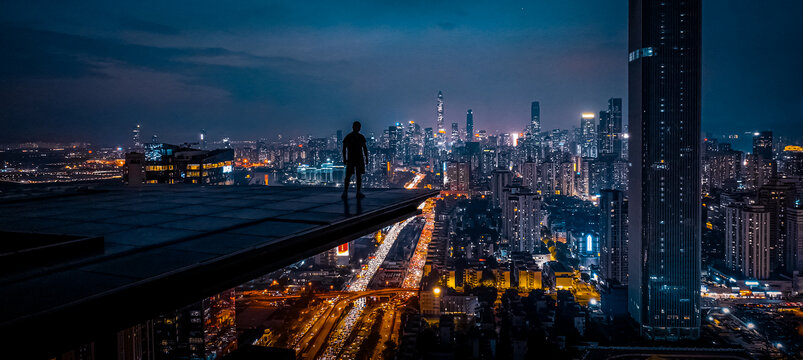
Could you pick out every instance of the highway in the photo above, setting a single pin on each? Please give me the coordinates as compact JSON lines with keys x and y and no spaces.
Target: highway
{"x":325,"y":334}
{"x":312,"y":342}
{"x":413,"y":184}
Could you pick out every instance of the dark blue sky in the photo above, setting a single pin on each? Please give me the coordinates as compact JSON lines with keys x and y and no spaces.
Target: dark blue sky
{"x":90,"y":70}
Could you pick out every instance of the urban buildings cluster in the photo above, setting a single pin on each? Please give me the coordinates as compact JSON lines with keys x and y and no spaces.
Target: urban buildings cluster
{"x":540,"y":240}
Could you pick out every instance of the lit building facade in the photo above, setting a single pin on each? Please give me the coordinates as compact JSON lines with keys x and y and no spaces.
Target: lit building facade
{"x":535,"y":118}
{"x":441,"y":134}
{"x":172,"y":164}
{"x":588,"y":138}
{"x":747,"y":240}
{"x":469,"y":125}
{"x":613,"y":235}
{"x":664,"y":202}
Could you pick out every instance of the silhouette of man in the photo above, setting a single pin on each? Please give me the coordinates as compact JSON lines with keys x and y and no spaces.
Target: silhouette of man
{"x":353,"y":150}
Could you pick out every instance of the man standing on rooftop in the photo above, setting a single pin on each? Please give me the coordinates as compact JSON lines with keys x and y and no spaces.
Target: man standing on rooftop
{"x":353,"y":150}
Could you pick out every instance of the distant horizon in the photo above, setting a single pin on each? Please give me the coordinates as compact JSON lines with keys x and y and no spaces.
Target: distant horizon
{"x":310,"y":69}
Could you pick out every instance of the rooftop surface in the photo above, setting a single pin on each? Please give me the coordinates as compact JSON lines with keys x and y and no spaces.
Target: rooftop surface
{"x":168,"y":246}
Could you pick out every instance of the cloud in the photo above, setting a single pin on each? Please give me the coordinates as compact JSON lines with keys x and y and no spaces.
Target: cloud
{"x":149,"y":27}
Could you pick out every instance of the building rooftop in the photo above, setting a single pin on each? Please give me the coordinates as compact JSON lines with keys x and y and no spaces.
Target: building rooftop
{"x":165,"y":246}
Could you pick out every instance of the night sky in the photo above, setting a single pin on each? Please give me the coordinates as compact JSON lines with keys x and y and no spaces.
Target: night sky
{"x":91,"y":70}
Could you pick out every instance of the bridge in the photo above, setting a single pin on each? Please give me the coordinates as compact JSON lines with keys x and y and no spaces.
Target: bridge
{"x":90,"y":261}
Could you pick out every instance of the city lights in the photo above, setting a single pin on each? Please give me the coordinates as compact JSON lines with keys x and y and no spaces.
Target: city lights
{"x":145,"y":158}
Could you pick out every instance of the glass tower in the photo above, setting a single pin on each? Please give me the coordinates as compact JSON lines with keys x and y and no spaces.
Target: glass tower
{"x":535,"y":118}
{"x":664,"y":202}
{"x":469,"y":125}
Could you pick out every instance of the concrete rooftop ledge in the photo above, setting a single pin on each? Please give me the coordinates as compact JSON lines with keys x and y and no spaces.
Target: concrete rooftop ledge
{"x":167,"y":246}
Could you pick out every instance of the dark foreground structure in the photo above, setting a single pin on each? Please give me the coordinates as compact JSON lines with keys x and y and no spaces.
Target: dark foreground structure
{"x":81,"y":265}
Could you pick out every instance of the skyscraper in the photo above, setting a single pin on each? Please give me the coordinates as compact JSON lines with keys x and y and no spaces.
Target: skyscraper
{"x":588,"y":136}
{"x":535,"y":118}
{"x":664,"y":202}
{"x":203,"y":139}
{"x":522,"y":218}
{"x":747,"y":240}
{"x":135,"y":139}
{"x":762,"y":144}
{"x":613,"y":235}
{"x":778,"y":196}
{"x":794,"y":236}
{"x":455,"y":133}
{"x":610,"y":128}
{"x":469,"y":125}
{"x":441,"y":130}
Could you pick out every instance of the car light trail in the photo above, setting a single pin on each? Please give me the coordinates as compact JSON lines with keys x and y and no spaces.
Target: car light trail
{"x":415,"y":268}
{"x":360,"y":283}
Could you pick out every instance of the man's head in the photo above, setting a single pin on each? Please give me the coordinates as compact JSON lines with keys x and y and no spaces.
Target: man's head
{"x":356,"y":126}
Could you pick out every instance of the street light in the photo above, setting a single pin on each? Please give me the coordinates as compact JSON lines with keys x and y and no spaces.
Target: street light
{"x":751,"y":326}
{"x":436,"y":291}
{"x":726,"y":311}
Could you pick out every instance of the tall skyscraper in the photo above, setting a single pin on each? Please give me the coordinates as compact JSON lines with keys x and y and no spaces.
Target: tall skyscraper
{"x":610,"y":128}
{"x":500,"y":178}
{"x":458,"y":176}
{"x":455,"y":133}
{"x":613,"y":235}
{"x":762,"y":144}
{"x":522,"y":218}
{"x":535,"y":118}
{"x":794,"y":231}
{"x":664,"y":202}
{"x":469,"y":125}
{"x":747,"y":240}
{"x":588,"y":136}
{"x":441,"y":130}
{"x":203,"y":139}
{"x":135,"y":139}
{"x":778,"y":196}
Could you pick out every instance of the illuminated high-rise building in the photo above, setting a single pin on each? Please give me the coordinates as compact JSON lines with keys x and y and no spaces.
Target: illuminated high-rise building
{"x":613,"y":235}
{"x":610,"y":128}
{"x":535,"y":118}
{"x":762,"y":144}
{"x":588,"y":136}
{"x":791,"y":161}
{"x":778,"y":196}
{"x":469,"y":125}
{"x":135,"y":139}
{"x":664,"y":201}
{"x":441,"y":140}
{"x":794,"y":236}
{"x":203,"y":139}
{"x":500,"y":178}
{"x":747,"y":240}
{"x":522,"y":218}
{"x":458,"y":176}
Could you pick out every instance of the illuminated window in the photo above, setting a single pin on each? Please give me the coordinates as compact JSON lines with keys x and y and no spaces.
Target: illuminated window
{"x":159,"y":167}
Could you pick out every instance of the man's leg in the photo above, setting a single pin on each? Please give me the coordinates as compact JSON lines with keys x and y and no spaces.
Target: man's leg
{"x":359,"y":186}
{"x":347,"y":182}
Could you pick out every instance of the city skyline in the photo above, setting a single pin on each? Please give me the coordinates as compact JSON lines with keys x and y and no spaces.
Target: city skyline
{"x":176,"y":181}
{"x":114,"y":67}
